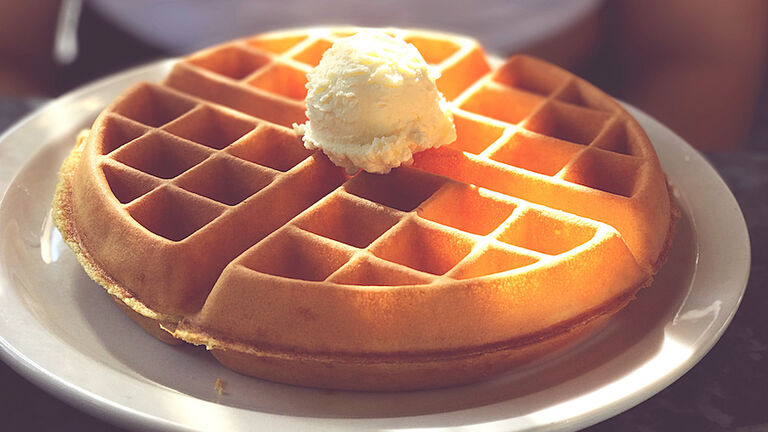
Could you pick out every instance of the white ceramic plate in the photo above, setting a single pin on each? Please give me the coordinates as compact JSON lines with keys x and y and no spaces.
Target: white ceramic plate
{"x":63,"y":333}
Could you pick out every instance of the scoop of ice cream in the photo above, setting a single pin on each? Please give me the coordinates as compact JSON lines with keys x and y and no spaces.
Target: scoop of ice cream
{"x":372,"y":103}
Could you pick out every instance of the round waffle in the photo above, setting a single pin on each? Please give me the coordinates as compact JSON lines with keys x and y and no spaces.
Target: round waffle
{"x":198,"y":209}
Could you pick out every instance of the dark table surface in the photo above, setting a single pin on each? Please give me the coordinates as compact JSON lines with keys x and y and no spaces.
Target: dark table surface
{"x":727,"y":390}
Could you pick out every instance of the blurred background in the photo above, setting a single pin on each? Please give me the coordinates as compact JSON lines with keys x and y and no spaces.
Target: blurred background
{"x":699,"y":66}
{"x":696,"y":65}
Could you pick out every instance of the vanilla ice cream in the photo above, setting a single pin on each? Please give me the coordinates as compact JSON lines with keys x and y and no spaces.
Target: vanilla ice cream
{"x":372,"y":103}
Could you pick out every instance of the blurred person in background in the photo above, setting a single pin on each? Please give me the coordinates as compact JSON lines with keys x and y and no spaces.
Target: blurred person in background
{"x":696,"y":65}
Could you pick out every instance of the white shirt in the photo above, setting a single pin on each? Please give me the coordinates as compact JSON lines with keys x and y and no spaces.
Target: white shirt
{"x":182,"y":26}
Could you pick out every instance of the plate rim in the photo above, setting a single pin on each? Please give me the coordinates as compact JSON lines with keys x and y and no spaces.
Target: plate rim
{"x":80,"y":398}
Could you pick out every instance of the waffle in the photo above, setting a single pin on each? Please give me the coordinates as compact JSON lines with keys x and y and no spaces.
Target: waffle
{"x":198,"y":209}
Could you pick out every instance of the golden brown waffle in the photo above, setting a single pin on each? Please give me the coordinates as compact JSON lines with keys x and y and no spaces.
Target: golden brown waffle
{"x":195,"y":205}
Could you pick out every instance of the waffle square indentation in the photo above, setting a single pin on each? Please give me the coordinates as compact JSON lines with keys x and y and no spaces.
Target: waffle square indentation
{"x":279,"y":149}
{"x":491,"y":261}
{"x":276,"y":44}
{"x":502,"y":103}
{"x":312,"y":54}
{"x":161,"y":155}
{"x":296,"y":255}
{"x":369,"y":271}
{"x":473,"y":136}
{"x":225,"y":179}
{"x":173,"y":214}
{"x":534,"y":152}
{"x":117,"y":131}
{"x":461,"y":72}
{"x":153,"y":105}
{"x":210,"y":127}
{"x":543,"y":233}
{"x":283,"y":80}
{"x":585,"y":95}
{"x":422,"y":247}
{"x":466,"y":208}
{"x":606,"y":171}
{"x":345,"y":219}
{"x":531,"y":75}
{"x":230,"y":61}
{"x":434,"y":51}
{"x":567,"y":122}
{"x":126,"y":184}
{"x":622,"y":136}
{"x":402,"y":189}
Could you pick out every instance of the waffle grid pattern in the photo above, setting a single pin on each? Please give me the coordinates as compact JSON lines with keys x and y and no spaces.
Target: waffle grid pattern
{"x":197,"y":156}
{"x":549,"y":124}
{"x":265,"y":76}
{"x":417,"y":237}
{"x":195,"y":166}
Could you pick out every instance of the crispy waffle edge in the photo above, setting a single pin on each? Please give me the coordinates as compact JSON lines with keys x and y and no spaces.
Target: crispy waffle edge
{"x":64,"y":221}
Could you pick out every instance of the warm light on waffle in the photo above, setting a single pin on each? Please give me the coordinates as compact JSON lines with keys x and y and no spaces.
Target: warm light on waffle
{"x":203,"y":215}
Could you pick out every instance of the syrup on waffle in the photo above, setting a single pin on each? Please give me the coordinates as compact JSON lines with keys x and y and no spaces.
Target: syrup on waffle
{"x":197,"y":208}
